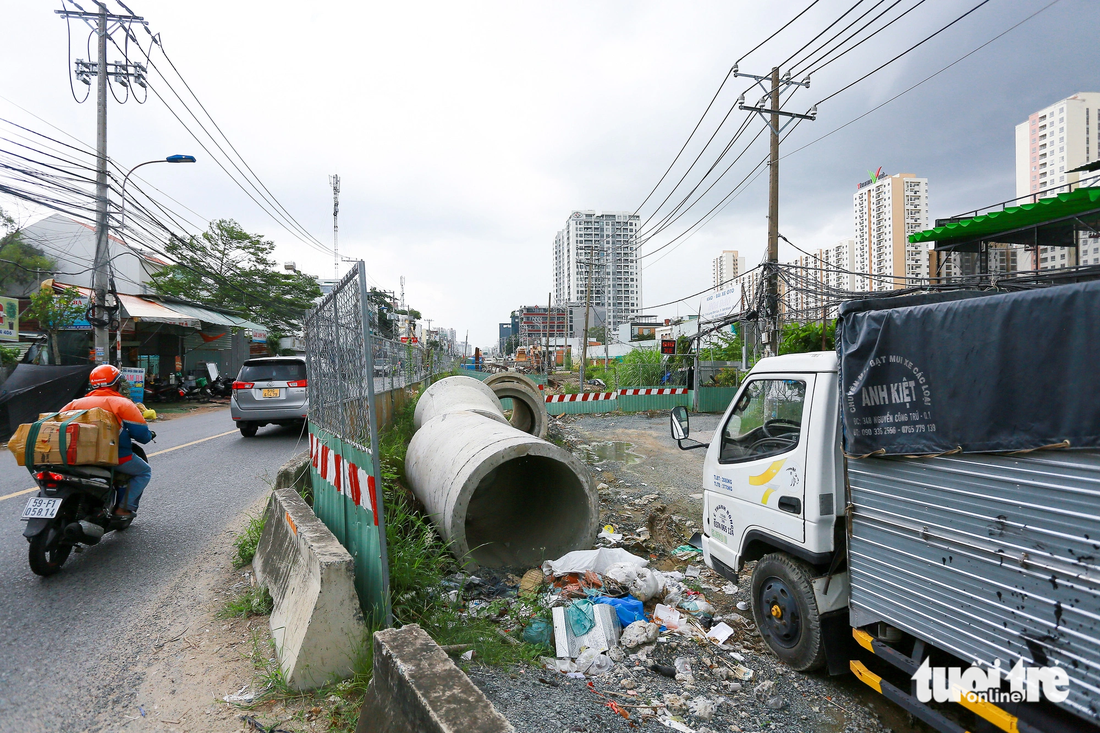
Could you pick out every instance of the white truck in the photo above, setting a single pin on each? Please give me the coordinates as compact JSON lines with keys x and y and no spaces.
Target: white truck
{"x":919,"y":500}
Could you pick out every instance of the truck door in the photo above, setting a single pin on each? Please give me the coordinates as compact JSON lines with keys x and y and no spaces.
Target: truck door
{"x":760,"y":471}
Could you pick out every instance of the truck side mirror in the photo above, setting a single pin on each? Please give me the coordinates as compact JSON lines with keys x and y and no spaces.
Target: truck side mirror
{"x":678,"y":421}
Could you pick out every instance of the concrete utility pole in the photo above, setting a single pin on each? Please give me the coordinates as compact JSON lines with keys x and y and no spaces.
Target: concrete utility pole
{"x":334,"y":181}
{"x":587,"y":307}
{"x":546,"y":354}
{"x":771,"y":116}
{"x":123,"y":73}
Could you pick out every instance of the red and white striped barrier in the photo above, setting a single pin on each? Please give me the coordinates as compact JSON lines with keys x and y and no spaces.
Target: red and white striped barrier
{"x":655,"y":390}
{"x":583,"y":397}
{"x":345,"y":476}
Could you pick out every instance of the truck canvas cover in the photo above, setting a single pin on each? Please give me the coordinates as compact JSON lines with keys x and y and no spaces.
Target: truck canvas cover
{"x":935,"y":374}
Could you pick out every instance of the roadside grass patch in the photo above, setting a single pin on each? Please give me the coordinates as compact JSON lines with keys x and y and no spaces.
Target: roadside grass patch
{"x":245,"y":544}
{"x":254,"y":601}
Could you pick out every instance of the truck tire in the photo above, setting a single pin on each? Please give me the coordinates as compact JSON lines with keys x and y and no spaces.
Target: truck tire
{"x":785,"y":610}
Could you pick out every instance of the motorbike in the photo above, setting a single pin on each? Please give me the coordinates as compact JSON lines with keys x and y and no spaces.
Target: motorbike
{"x":74,"y":508}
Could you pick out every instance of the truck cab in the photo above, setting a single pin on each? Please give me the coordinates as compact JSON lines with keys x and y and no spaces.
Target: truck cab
{"x":773,"y":481}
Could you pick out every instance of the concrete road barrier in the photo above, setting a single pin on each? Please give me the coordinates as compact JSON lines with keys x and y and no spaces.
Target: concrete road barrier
{"x":416,"y":688}
{"x":316,"y":622}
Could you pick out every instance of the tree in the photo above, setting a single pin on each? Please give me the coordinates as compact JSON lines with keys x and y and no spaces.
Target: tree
{"x":383,"y":306}
{"x":599,"y":333}
{"x":229,"y":268}
{"x":54,"y":311}
{"x":20,"y":262}
{"x":799,"y":338}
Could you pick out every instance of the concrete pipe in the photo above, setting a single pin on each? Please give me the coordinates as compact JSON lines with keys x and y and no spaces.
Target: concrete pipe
{"x":499,"y":496}
{"x":457,"y":394}
{"x":528,"y":404}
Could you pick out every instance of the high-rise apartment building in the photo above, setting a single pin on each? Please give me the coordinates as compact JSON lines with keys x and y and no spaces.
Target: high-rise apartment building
{"x":727,"y":266}
{"x":887,"y":209}
{"x":599,"y":248}
{"x":1053,"y":142}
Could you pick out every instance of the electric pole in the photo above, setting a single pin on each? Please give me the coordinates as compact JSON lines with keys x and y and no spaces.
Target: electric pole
{"x":771,"y":115}
{"x":587,"y":307}
{"x":334,"y":181}
{"x":103,"y":24}
{"x":546,"y":356}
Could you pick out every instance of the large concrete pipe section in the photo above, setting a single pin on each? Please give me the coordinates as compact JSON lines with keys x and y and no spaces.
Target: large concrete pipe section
{"x":528,"y":404}
{"x":457,"y":394}
{"x":499,"y":496}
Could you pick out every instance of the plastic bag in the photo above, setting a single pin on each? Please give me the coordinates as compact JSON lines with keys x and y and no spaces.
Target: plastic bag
{"x":643,"y":583}
{"x":539,"y":632}
{"x":627,"y":609}
{"x":580,"y":617}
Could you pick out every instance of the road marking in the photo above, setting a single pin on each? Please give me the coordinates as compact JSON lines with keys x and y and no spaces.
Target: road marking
{"x":159,"y":452}
{"x":193,"y":442}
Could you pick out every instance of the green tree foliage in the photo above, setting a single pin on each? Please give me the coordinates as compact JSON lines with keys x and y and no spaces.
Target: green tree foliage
{"x":384,"y":307}
{"x":20,"y":262}
{"x":726,"y":347}
{"x":599,"y":333}
{"x":229,"y":268}
{"x":798,"y":338}
{"x":54,"y":311}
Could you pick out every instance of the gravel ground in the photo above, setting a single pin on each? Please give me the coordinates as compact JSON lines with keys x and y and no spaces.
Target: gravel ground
{"x":652,"y":484}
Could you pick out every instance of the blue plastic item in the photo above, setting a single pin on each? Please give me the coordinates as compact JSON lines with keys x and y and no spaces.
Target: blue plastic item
{"x":628,"y":609}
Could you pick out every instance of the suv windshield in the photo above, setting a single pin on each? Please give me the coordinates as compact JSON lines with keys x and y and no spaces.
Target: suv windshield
{"x":281,"y":371}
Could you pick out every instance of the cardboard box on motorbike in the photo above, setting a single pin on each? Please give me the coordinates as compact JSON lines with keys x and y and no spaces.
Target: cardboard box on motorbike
{"x":74,"y":438}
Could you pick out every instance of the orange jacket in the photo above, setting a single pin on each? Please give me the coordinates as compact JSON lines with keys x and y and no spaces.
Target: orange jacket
{"x":129,"y":417}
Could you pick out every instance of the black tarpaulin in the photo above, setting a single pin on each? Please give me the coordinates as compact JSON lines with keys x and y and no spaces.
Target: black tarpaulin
{"x":33,"y":388}
{"x":1001,"y":372}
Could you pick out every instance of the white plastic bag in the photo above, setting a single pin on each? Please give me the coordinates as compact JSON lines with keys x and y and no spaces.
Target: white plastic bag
{"x":598,"y":561}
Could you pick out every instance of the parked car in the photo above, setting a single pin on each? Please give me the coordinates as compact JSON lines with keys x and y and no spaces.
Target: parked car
{"x":269,"y":390}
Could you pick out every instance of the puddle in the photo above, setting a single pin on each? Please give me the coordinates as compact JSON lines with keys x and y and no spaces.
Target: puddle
{"x":609,"y":451}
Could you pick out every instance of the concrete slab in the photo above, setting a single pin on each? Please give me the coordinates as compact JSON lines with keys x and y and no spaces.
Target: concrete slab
{"x":317,"y":623}
{"x":416,"y":688}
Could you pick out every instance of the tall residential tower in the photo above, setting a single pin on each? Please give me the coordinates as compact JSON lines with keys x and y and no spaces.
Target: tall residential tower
{"x":887,"y":209}
{"x":727,"y":266}
{"x":599,"y":247}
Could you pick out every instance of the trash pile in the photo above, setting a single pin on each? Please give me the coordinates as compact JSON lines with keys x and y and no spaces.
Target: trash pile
{"x":628,"y":629}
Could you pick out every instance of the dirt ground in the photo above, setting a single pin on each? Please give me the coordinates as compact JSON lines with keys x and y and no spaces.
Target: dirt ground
{"x":181,"y":660}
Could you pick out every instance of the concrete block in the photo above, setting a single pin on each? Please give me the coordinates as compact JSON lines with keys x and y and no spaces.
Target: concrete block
{"x":317,"y":623}
{"x":416,"y":688}
{"x":294,"y":474}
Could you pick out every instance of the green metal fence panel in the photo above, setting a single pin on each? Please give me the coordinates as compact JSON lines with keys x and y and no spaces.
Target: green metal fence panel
{"x":716,"y":399}
{"x":346,"y":499}
{"x":580,"y":408}
{"x":644,"y":403}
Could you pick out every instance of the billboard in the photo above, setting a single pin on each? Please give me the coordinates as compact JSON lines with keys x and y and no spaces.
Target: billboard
{"x":9,"y":319}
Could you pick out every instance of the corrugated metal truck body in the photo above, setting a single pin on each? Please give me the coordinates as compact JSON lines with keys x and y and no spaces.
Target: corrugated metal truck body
{"x":985,"y":556}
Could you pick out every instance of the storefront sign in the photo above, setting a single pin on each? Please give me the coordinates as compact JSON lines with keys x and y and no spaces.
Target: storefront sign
{"x":9,"y":319}
{"x":136,"y":377}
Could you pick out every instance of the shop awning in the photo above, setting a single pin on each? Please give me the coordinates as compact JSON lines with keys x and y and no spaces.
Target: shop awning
{"x":151,"y":311}
{"x":1049,"y":222}
{"x":207,"y":316}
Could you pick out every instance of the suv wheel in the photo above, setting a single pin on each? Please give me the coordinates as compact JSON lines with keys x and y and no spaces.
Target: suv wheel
{"x":248,"y":429}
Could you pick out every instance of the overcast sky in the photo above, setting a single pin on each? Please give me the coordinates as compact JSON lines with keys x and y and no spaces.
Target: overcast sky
{"x":466,"y":133}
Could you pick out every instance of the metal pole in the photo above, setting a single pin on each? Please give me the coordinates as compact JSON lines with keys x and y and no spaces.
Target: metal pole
{"x":546,"y":356}
{"x":695,"y":372}
{"x":773,"y":218}
{"x":334,"y":180}
{"x":102,"y":255}
{"x":372,"y":418}
{"x":587,"y":307}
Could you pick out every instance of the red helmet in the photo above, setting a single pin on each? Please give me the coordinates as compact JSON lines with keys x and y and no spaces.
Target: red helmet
{"x":104,"y":375}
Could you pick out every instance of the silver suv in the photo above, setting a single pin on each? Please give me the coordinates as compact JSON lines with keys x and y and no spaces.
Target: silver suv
{"x":269,"y":390}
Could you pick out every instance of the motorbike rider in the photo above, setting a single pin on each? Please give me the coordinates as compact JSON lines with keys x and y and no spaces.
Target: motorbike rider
{"x":104,"y":380}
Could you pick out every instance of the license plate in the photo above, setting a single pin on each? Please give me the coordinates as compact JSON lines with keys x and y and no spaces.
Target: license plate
{"x":271,"y":393}
{"x":41,"y":508}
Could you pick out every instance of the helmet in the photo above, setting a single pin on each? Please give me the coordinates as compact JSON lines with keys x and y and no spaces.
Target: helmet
{"x":104,"y":375}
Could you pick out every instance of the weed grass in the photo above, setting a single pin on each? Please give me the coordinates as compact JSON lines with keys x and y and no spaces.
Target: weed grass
{"x":255,"y":601}
{"x":244,"y":546}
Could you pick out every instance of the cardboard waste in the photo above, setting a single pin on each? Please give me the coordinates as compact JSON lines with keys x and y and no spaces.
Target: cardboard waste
{"x":74,"y":438}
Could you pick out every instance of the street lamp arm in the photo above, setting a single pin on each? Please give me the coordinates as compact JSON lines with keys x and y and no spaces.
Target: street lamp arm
{"x":125,"y":180}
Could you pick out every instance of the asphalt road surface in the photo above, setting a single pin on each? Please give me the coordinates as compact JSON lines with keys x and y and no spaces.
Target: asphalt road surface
{"x":54,"y":631}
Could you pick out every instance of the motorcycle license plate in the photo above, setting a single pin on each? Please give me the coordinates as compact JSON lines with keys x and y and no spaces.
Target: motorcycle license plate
{"x":41,"y":508}
{"x":271,"y":393}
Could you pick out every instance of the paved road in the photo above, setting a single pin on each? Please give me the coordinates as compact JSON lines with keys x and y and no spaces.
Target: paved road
{"x":54,"y":630}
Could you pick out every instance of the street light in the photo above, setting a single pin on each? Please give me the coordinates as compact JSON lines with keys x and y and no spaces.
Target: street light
{"x":169,"y":159}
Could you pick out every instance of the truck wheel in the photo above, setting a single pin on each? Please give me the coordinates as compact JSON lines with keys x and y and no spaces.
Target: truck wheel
{"x":248,"y":429}
{"x":785,"y":611}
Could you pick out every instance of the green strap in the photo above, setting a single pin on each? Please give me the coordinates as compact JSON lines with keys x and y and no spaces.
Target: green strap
{"x":32,"y":438}
{"x":61,"y":438}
